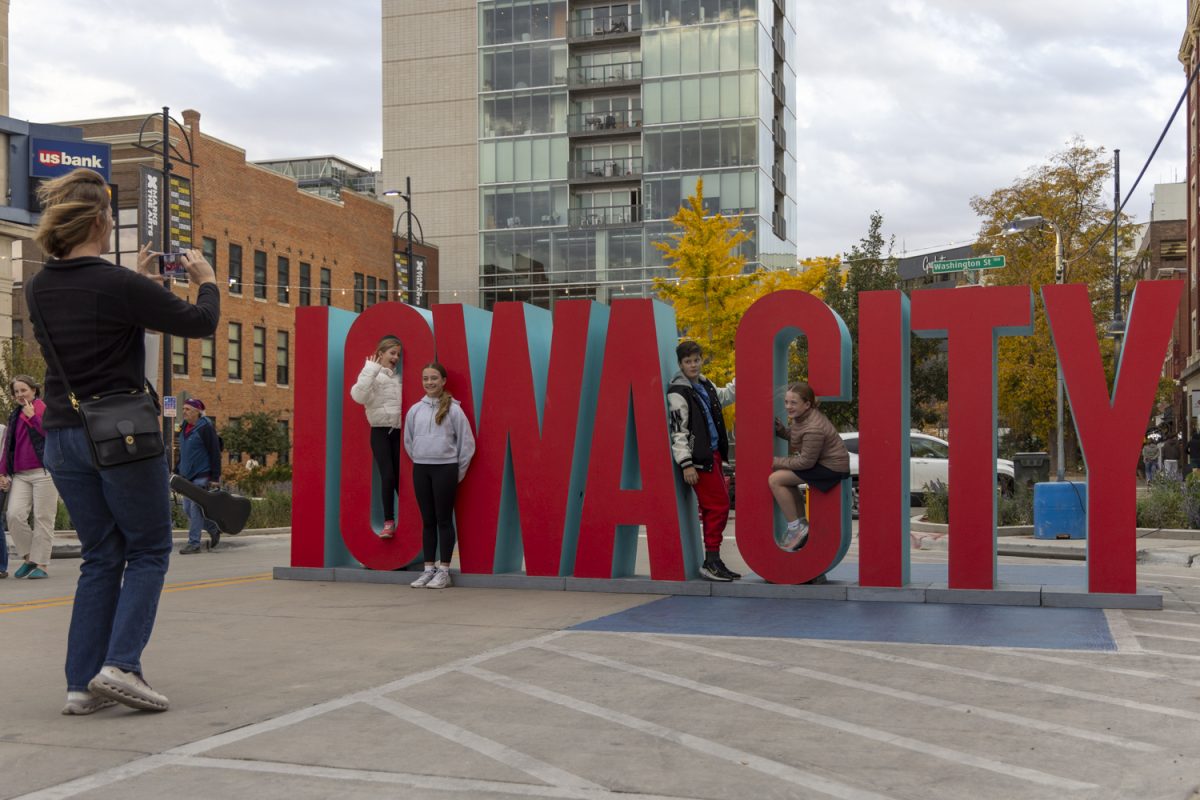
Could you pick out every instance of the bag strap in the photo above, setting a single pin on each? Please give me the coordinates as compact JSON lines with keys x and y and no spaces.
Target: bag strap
{"x":36,"y":313}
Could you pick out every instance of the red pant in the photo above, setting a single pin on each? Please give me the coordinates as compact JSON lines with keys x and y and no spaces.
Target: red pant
{"x":713,"y":499}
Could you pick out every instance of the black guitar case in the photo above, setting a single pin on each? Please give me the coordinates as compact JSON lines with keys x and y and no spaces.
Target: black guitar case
{"x":229,"y":511}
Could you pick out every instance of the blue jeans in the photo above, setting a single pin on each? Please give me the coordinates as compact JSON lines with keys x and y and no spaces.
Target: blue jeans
{"x":196,"y":519}
{"x":123,"y":518}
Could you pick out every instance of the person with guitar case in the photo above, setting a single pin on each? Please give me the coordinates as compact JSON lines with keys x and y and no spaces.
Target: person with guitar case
{"x":200,"y":463}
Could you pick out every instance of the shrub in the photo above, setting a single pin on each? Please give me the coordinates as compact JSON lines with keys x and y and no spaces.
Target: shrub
{"x":1166,"y":503}
{"x":272,"y":510}
{"x":264,"y":479}
{"x":937,"y":502}
{"x":1017,"y":509}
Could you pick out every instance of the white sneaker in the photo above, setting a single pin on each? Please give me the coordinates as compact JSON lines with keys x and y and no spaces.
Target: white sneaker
{"x":83,"y":703}
{"x":441,"y":580}
{"x":424,"y":578}
{"x":127,"y":688}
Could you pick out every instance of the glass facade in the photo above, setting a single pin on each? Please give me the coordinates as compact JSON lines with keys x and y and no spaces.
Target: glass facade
{"x":598,"y":119}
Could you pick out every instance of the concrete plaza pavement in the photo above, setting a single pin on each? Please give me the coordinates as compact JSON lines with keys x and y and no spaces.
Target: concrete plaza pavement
{"x":289,"y":689}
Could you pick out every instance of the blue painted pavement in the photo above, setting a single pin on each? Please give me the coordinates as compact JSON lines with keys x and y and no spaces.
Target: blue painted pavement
{"x":913,"y":623}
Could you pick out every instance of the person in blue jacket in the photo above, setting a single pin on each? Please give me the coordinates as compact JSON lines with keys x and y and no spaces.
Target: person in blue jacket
{"x":200,"y":463}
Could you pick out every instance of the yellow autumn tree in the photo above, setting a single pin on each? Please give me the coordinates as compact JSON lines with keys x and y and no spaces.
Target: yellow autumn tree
{"x":708,"y":288}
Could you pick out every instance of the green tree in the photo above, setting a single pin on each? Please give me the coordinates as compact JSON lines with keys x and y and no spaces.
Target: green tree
{"x":1070,"y":190}
{"x":258,"y":434}
{"x":18,"y":358}
{"x":709,"y":291}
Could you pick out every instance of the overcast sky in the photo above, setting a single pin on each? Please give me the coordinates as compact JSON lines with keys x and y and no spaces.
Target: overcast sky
{"x":910,"y":107}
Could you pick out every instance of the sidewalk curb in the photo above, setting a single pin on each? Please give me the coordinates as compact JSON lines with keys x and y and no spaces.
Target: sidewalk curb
{"x":66,"y":543}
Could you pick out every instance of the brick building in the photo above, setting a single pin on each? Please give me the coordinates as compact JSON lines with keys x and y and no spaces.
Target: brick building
{"x":274,"y":248}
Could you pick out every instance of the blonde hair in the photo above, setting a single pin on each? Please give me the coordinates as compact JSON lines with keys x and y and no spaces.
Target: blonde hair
{"x":71,"y":207}
{"x":386,"y":343}
{"x":446,"y":399}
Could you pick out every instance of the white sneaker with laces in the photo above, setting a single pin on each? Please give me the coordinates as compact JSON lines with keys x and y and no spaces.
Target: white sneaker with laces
{"x":127,"y":688}
{"x":424,"y":579}
{"x":441,"y":580}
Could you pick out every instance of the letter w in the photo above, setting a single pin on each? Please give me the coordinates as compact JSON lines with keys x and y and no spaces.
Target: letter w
{"x":523,"y":488}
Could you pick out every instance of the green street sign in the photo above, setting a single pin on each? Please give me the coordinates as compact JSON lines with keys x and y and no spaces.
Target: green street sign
{"x":961,"y":264}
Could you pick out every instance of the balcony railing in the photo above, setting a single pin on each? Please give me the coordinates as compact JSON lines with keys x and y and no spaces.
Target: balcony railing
{"x":604,"y":121}
{"x":600,"y":26}
{"x":601,"y":216}
{"x":779,"y":6}
{"x":603,"y":74}
{"x":780,"y":179}
{"x":778,"y":85}
{"x":779,"y":225}
{"x":606,"y":168}
{"x":779,"y":42}
{"x":780,"y":131}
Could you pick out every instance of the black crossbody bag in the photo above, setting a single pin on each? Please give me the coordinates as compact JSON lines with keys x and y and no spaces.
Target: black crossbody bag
{"x":122,"y":425}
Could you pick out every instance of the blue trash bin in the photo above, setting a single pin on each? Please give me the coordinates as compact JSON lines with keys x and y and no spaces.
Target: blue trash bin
{"x":1060,"y":510}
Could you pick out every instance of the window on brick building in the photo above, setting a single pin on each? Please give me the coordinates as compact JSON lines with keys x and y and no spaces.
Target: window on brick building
{"x":326,"y":291}
{"x":235,"y":351}
{"x":260,"y":275}
{"x":383,"y":291}
{"x":359,"y":303}
{"x":284,"y":273}
{"x":260,"y":354}
{"x":235,"y":269}
{"x":283,"y":456}
{"x":208,"y":357}
{"x":209,"y":248}
{"x":281,"y":358}
{"x":179,"y":355}
{"x":372,"y":298}
{"x":305,"y":284}
{"x":234,"y":458}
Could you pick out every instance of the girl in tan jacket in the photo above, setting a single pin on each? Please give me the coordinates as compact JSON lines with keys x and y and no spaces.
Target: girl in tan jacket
{"x":816,"y":457}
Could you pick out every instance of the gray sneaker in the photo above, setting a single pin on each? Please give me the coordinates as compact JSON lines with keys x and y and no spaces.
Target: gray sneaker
{"x":441,"y":580}
{"x":424,"y":578}
{"x":798,"y":538}
{"x":188,"y":549}
{"x":128,"y":688}
{"x":80,"y":704}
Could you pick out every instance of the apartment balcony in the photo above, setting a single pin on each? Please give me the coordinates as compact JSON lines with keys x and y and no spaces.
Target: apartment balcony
{"x":604,"y":77}
{"x":780,"y":178}
{"x":605,"y":216}
{"x":779,"y":225}
{"x":781,"y":7}
{"x":780,"y":89}
{"x":605,"y":170}
{"x":780,"y":132}
{"x":592,"y":124}
{"x":780,"y":46}
{"x":603,"y":27}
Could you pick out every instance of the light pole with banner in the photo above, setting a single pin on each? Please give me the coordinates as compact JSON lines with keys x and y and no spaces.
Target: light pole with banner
{"x":416,"y":294}
{"x":165,"y":220}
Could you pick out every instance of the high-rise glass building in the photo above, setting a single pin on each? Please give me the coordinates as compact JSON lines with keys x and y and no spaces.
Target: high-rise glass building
{"x":596,"y":120}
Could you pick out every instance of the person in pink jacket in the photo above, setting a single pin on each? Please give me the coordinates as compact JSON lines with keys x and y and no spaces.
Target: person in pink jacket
{"x":29,"y":485}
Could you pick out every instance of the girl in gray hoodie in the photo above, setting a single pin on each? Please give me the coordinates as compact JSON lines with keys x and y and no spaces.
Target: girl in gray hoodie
{"x":438,"y":439}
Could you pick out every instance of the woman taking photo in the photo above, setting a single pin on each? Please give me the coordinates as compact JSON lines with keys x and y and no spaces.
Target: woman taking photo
{"x":816,"y":457}
{"x":24,"y":477}
{"x":439,"y":441}
{"x":93,"y":316}
{"x":378,"y":391}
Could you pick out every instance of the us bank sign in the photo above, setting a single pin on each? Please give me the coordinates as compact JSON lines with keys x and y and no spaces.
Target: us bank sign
{"x":573,"y":453}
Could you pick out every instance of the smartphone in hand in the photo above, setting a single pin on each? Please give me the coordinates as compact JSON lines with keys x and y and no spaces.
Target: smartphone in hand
{"x":170,"y":265}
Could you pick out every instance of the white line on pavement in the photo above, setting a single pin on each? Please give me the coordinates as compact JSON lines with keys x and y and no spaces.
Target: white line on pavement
{"x":914,"y":697}
{"x":1166,"y":622}
{"x":873,"y":734}
{"x":1076,"y":664}
{"x":775,"y":769}
{"x":1191,"y":639}
{"x":430,"y":782}
{"x":547,"y":773}
{"x":99,"y":780}
{"x":1049,"y":688}
{"x":1122,"y":633}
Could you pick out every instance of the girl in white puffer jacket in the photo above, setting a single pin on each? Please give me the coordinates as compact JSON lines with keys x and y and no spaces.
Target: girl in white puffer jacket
{"x":378,"y":391}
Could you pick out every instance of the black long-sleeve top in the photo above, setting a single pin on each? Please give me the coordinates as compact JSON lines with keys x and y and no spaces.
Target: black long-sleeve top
{"x":97,"y":313}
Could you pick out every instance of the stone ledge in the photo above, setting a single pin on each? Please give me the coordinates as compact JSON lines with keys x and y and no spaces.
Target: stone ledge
{"x":753,"y":586}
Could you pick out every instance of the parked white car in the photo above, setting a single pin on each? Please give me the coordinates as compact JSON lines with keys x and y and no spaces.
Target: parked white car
{"x":930,"y":462}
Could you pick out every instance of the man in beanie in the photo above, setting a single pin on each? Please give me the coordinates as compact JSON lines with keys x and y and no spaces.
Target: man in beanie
{"x":700,"y":445}
{"x":200,"y":463}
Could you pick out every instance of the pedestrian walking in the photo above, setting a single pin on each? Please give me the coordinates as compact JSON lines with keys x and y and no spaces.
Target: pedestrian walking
{"x":440,"y":443}
{"x":3,"y":530}
{"x":817,"y":457}
{"x":700,"y":447}
{"x":1151,"y":456}
{"x":1171,"y":451}
{"x":90,"y":317}
{"x":378,"y":391}
{"x":200,"y":463}
{"x":24,"y":476}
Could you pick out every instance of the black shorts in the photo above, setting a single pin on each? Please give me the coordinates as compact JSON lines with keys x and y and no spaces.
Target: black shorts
{"x":820,"y":477}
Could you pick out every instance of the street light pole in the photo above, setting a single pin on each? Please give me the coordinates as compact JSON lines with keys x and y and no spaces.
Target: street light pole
{"x":406,"y":196}
{"x":1029,"y":223}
